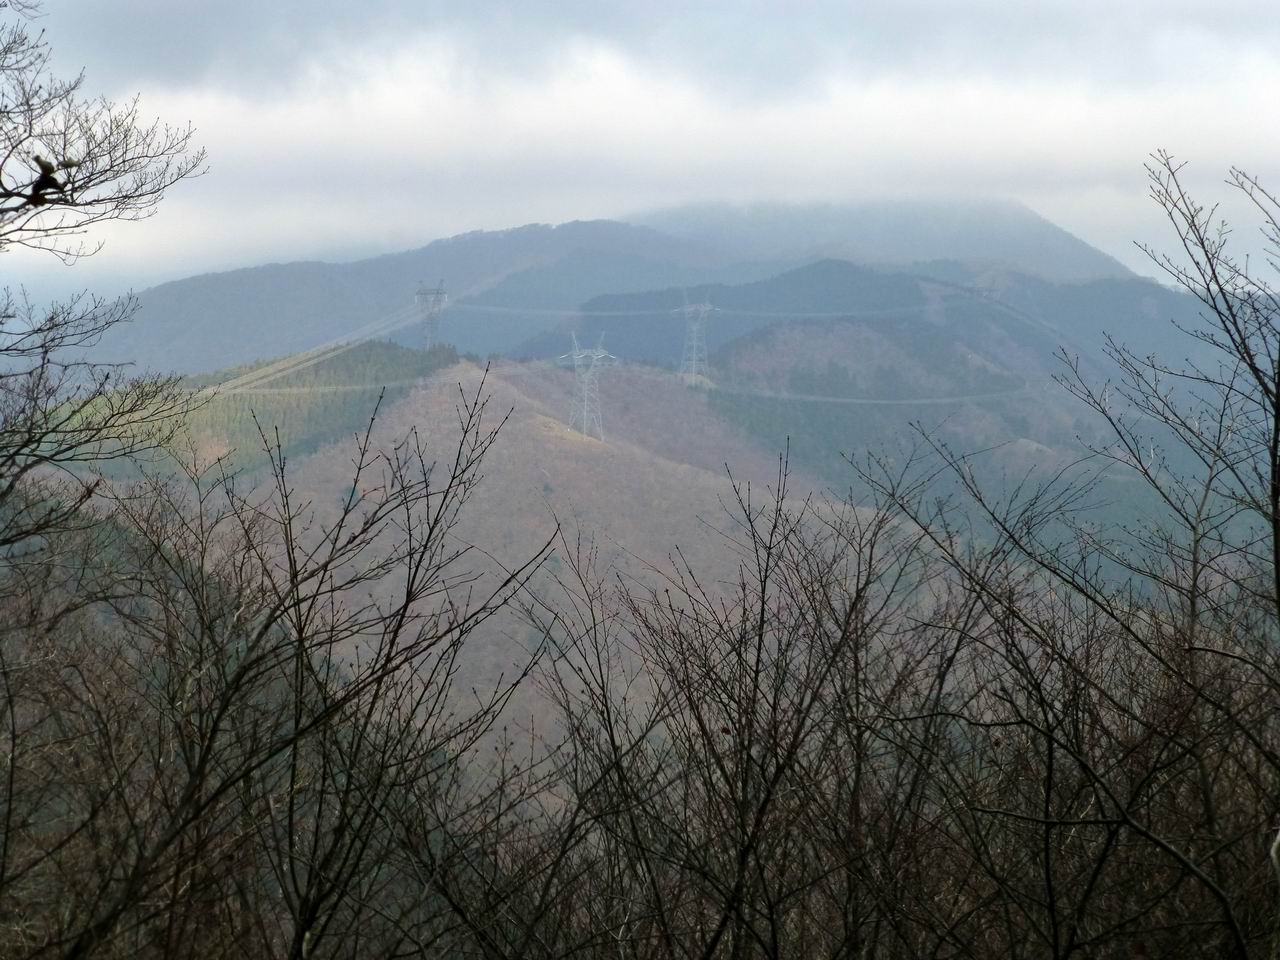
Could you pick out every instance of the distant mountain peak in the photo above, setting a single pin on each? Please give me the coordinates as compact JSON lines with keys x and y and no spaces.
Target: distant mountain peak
{"x":893,"y":232}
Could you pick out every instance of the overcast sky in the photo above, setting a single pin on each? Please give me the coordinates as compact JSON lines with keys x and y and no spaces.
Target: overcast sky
{"x":341,"y":129}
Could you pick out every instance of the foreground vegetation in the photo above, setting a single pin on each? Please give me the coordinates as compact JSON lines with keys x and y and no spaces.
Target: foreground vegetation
{"x":912,"y":726}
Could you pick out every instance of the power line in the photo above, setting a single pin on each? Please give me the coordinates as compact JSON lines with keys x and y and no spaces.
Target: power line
{"x":506,"y":373}
{"x":587,"y":365}
{"x":432,"y":303}
{"x":325,"y":351}
{"x":1026,"y":388}
{"x":971,"y":293}
{"x":567,"y":312}
{"x":693,"y":359}
{"x":525,"y":371}
{"x":403,"y":317}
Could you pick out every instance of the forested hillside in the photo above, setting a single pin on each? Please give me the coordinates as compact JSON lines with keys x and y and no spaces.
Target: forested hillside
{"x":302,"y":409}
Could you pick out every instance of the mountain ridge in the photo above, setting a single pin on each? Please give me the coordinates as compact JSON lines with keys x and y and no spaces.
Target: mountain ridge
{"x":895,"y":233}
{"x":222,"y":319}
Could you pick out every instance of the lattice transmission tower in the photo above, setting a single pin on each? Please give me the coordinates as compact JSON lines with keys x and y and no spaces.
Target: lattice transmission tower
{"x":431,"y":301}
{"x":587,"y":364}
{"x":693,"y":361}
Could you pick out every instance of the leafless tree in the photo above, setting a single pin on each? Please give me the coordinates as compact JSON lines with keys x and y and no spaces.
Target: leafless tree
{"x":936,"y":720}
{"x":214,"y":778}
{"x":1137,"y":661}
{"x":949,"y":721}
{"x":66,"y":164}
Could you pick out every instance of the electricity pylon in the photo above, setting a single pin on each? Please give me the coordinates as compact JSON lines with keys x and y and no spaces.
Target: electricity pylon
{"x":587,"y":364}
{"x":431,"y":302}
{"x":693,"y":361}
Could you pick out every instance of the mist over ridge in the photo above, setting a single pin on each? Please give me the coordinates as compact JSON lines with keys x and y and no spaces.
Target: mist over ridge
{"x":522,"y":272}
{"x":899,"y":232}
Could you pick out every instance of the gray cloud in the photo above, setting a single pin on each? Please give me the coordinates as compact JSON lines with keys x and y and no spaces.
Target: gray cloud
{"x":386,"y":124}
{"x":745,"y":45}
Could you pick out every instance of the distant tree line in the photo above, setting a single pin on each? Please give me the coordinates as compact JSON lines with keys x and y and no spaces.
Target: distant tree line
{"x":912,"y":726}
